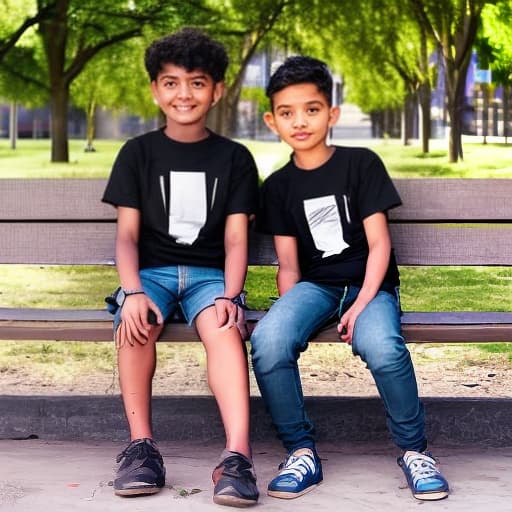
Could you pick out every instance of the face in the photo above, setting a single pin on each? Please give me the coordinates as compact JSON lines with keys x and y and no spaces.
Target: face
{"x":185,"y":97}
{"x":301,"y":116}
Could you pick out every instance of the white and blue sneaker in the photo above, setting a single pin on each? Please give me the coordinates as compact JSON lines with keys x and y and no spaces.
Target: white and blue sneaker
{"x":423,"y":476}
{"x":300,"y":473}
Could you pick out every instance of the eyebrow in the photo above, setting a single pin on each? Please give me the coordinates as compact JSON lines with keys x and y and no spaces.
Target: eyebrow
{"x":308,"y":103}
{"x":201,"y":76}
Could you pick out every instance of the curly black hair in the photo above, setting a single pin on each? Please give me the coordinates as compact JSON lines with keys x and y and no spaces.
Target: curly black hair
{"x":189,"y":48}
{"x":300,"y":69}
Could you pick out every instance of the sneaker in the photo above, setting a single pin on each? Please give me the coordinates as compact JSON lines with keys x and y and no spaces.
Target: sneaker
{"x":141,"y":471}
{"x":423,"y":476}
{"x":300,"y":473}
{"x":235,"y":481}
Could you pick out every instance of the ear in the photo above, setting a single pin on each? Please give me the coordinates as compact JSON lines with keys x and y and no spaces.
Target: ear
{"x":334,"y":115}
{"x":154,"y":92}
{"x":218,"y":91}
{"x":268,"y":117}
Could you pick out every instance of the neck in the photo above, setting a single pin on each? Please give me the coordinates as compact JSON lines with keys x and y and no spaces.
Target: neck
{"x":312,"y":159}
{"x":186,"y":133}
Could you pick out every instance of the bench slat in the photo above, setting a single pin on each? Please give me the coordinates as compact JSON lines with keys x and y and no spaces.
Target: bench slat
{"x":102,"y":331}
{"x":415,"y":244}
{"x":54,"y":199}
{"x":466,"y":200}
{"x":96,"y":325}
{"x":428,"y":199}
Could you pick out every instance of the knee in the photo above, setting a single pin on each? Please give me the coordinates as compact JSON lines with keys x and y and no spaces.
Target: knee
{"x":271,"y":346}
{"x":382,"y":354}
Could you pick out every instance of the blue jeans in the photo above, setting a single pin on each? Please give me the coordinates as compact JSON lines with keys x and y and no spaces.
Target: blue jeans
{"x":283,"y":333}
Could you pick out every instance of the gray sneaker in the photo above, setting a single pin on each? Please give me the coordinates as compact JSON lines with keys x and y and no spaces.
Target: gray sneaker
{"x":141,"y":469}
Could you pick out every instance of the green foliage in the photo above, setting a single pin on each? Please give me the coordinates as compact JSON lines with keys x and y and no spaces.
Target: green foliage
{"x":257,"y":96}
{"x":497,"y":35}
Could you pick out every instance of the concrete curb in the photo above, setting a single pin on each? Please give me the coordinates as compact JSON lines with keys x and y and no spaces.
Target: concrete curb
{"x":450,"y":421}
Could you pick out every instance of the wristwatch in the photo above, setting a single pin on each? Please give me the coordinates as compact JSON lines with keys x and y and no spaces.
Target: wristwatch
{"x":122,"y":294}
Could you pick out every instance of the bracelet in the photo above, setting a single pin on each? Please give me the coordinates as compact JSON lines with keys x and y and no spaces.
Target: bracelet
{"x":132,"y":292}
{"x":238,"y":300}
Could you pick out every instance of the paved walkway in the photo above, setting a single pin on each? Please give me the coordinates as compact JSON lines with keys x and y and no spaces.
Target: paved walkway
{"x":71,"y":476}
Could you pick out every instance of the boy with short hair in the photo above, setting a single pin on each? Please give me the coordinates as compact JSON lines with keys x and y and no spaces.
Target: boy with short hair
{"x":183,"y":196}
{"x":327,"y":211}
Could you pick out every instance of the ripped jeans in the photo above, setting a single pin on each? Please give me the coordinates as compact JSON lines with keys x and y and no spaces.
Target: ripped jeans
{"x":283,"y":333}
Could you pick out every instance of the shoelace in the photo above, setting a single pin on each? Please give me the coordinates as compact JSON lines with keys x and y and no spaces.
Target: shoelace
{"x":421,"y":466}
{"x":299,"y":466}
{"x":136,"y":450}
{"x":237,"y":467}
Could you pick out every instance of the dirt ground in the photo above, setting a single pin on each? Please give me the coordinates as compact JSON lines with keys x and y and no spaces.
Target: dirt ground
{"x":326,"y":369}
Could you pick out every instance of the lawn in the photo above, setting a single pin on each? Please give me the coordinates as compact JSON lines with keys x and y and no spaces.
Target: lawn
{"x":427,"y":289}
{"x":31,"y":159}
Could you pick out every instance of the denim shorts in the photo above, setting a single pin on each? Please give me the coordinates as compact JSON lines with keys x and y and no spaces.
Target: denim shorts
{"x":190,"y":288}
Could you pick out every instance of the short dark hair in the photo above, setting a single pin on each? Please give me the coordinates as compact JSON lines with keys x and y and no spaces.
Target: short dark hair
{"x":301,"y":70}
{"x":189,"y":48}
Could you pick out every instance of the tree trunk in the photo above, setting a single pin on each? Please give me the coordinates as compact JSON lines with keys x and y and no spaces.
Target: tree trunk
{"x":455,"y":86}
{"x":425,"y":98}
{"x":507,"y":91}
{"x":59,"y":123}
{"x":13,"y":124}
{"x":90,"y":129}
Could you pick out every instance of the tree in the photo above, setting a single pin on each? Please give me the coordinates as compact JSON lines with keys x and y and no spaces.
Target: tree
{"x":495,"y":47}
{"x":243,"y":26}
{"x":11,"y":33}
{"x":76,"y":31}
{"x":102,"y":85}
{"x":452,"y":25}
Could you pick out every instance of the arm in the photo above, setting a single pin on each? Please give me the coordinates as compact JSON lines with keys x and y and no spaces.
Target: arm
{"x":134,"y":313}
{"x":235,"y":267}
{"x":379,"y":243}
{"x":288,"y":273}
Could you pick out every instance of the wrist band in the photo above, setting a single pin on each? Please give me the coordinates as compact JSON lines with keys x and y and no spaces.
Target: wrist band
{"x":238,"y":300}
{"x":132,"y":292}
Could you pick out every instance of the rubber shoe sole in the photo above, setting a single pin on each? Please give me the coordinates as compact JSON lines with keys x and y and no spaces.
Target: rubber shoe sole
{"x":137,"y":491}
{"x":233,"y":501}
{"x":285,"y":495}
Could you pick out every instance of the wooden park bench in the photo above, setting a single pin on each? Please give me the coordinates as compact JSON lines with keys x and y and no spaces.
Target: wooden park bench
{"x":442,"y":222}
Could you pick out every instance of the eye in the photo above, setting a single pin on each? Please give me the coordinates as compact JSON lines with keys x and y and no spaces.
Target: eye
{"x":286,"y":114}
{"x":170,"y":84}
{"x":313,"y":110}
{"x":198,"y":84}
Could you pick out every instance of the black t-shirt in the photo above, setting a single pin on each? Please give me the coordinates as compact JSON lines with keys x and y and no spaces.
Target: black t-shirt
{"x":184,"y":192}
{"x":324,"y":208}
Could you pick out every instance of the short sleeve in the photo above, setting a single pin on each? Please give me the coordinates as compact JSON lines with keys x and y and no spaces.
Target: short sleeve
{"x":272,"y":217}
{"x":376,"y":191}
{"x":122,"y":188}
{"x":243,"y":189}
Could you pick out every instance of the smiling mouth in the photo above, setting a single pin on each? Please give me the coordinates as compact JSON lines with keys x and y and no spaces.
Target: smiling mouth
{"x":183,"y":108}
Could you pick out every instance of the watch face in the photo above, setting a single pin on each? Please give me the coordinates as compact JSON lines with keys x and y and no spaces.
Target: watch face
{"x":120,"y":297}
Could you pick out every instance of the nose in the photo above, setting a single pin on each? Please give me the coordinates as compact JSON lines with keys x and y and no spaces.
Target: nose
{"x":299,"y":120}
{"x":184,"y":91}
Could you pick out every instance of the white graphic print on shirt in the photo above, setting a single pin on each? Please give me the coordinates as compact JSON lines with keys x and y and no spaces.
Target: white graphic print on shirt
{"x":187,"y":211}
{"x":325,"y":225}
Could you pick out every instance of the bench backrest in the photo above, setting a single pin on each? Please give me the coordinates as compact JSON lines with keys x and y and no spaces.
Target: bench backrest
{"x":441,"y":222}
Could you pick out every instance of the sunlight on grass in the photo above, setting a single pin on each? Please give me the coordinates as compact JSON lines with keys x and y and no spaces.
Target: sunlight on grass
{"x":423,"y":288}
{"x":31,"y":159}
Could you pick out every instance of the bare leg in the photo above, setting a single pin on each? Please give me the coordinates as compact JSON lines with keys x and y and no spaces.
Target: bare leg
{"x":228,"y":379}
{"x":137,"y":365}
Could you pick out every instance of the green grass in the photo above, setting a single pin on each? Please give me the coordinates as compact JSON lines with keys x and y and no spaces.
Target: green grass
{"x":423,"y":289}
{"x":31,"y":159}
